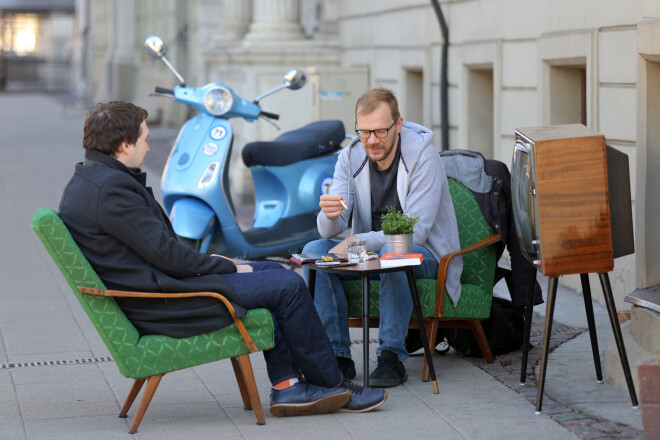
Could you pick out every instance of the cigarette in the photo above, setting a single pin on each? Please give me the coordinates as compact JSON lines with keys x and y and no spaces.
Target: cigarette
{"x":343,"y":204}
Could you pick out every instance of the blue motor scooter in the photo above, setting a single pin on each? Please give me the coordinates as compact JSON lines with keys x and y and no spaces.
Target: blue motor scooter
{"x":289,"y":173}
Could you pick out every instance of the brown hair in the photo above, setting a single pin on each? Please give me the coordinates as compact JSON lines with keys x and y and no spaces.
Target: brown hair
{"x":110,"y":124}
{"x":371,"y":98}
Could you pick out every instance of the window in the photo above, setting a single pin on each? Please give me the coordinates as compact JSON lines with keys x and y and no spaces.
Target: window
{"x":480,"y":113}
{"x":20,"y":34}
{"x":568,"y":94}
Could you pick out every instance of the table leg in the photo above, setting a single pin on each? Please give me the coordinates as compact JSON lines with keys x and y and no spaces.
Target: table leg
{"x":365,"y":326}
{"x":422,"y":328}
{"x":311,"y":281}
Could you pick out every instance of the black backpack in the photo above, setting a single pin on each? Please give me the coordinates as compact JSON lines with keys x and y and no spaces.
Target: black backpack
{"x":504,"y":331}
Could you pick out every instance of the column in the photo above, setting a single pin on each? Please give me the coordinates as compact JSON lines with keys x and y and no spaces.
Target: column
{"x":275,"y":21}
{"x":232,"y":21}
{"x":122,"y":61}
{"x":328,"y":28}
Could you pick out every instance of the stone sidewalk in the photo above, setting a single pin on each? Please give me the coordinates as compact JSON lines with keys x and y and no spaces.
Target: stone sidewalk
{"x":41,"y":324}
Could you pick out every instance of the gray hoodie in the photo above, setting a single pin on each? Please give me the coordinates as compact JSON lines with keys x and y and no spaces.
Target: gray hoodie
{"x":422,"y":188}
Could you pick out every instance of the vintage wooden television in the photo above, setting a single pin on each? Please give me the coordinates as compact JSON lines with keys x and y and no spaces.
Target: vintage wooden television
{"x":571,"y":199}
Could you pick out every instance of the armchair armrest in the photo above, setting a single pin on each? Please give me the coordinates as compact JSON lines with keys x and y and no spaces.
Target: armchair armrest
{"x":443,"y":265}
{"x":252,"y":347}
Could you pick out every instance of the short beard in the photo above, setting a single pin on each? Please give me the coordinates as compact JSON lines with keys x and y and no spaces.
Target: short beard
{"x":389,"y":151}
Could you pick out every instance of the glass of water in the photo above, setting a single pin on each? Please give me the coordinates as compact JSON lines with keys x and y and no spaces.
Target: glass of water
{"x":356,"y":249}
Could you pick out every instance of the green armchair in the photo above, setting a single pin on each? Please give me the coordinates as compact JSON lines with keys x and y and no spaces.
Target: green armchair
{"x":479,"y":252}
{"x":148,"y":358}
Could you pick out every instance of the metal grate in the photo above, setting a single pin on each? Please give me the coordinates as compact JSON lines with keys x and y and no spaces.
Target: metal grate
{"x":63,"y":362}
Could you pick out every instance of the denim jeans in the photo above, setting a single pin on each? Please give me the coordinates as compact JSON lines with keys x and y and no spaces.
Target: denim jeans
{"x":395,"y":303}
{"x":301,"y":343}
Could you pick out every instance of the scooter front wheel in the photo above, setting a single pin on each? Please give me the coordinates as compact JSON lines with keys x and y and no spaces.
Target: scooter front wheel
{"x":194,"y":244}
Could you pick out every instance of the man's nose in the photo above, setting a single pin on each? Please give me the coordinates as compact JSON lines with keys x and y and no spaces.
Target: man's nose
{"x":372,"y":139}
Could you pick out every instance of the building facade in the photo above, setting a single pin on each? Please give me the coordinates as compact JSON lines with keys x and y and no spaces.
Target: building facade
{"x":36,"y":45}
{"x":510,"y":63}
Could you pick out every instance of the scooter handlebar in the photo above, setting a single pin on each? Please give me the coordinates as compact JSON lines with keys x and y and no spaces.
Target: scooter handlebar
{"x":270,"y":115}
{"x":164,"y":90}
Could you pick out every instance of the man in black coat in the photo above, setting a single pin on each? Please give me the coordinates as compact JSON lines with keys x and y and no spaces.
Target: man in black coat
{"x":129,"y":241}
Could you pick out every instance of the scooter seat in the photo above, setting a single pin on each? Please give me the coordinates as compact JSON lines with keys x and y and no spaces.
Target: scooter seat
{"x":312,"y":140}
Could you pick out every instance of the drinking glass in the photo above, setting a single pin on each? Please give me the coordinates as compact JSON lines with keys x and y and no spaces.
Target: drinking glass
{"x":356,"y":250}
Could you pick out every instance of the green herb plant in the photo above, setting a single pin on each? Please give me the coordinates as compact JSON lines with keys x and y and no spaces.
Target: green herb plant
{"x":395,"y":222}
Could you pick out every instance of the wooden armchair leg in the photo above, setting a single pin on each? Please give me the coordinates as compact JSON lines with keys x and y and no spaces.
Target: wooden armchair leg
{"x":480,"y":336}
{"x":152,"y":384}
{"x":135,"y":389}
{"x":251,"y":386}
{"x":431,"y":333}
{"x":241,"y":383}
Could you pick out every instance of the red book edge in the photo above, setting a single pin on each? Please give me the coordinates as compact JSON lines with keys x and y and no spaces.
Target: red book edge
{"x":401,"y":256}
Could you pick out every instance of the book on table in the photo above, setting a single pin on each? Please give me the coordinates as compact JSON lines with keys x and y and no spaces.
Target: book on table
{"x":397,"y":260}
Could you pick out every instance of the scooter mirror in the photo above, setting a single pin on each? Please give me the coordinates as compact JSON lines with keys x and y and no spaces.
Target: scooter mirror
{"x":155,"y":47}
{"x":294,"y":79}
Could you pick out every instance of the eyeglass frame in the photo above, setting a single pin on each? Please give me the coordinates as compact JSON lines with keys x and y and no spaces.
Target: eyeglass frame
{"x":357,"y":131}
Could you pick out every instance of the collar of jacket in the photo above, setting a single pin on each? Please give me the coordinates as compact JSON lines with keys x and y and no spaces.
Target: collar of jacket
{"x":93,"y":157}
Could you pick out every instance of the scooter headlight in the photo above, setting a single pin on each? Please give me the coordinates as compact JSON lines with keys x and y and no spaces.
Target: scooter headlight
{"x":209,"y":175}
{"x":218,"y":101}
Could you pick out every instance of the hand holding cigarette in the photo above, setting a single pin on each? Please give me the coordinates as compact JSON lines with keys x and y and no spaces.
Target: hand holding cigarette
{"x":332,"y":205}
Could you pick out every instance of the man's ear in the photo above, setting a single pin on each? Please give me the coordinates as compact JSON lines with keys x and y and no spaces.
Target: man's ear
{"x":121,"y":149}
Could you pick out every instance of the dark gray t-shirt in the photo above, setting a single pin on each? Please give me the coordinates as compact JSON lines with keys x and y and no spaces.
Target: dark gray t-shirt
{"x":383,"y":189}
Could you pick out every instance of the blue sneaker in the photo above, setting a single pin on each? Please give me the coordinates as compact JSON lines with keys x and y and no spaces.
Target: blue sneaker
{"x":363,"y":399}
{"x":304,"y":399}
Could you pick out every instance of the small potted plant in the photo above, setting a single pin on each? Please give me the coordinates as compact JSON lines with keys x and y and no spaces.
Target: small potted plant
{"x":398,"y":230}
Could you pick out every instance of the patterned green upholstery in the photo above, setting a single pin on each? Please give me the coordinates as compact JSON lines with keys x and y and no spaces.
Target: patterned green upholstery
{"x":138,"y":357}
{"x":478,"y":268}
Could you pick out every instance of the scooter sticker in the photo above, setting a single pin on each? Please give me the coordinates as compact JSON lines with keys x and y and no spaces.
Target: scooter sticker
{"x":218,"y":132}
{"x":210,"y":149}
{"x":326,"y":183}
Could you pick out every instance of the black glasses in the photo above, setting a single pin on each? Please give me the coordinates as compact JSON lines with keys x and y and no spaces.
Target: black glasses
{"x":380,"y":133}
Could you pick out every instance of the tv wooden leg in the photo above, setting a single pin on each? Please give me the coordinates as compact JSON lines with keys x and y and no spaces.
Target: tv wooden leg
{"x":589,"y":308}
{"x":618,"y":337}
{"x":547,"y":330}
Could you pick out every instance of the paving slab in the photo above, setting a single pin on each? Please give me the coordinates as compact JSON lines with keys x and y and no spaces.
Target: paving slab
{"x":54,"y":400}
{"x":12,"y":426}
{"x":68,"y":428}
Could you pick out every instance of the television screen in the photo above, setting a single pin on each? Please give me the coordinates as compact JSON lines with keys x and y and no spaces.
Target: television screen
{"x":522,"y":187}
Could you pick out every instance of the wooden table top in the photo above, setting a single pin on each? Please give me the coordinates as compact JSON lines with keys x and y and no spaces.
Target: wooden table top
{"x":368,"y":267}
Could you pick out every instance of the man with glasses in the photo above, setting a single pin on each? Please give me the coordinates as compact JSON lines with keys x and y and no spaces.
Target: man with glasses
{"x":390,"y":163}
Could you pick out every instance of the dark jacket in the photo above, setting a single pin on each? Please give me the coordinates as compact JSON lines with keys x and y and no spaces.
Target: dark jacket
{"x":129,"y":241}
{"x":490,"y":182}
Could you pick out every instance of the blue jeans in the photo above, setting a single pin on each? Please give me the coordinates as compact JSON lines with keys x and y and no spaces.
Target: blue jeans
{"x":301,"y":344}
{"x":395,"y":303}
